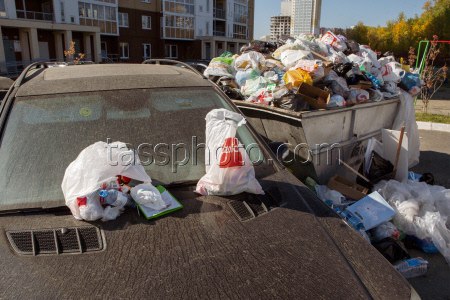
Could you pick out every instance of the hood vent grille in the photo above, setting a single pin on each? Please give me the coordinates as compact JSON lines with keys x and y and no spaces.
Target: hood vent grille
{"x":56,"y":241}
{"x":249,"y":206}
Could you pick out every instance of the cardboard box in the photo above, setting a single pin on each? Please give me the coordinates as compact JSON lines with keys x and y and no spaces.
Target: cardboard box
{"x":364,"y":85}
{"x":315,"y":97}
{"x":326,"y":62}
{"x":347,"y":188}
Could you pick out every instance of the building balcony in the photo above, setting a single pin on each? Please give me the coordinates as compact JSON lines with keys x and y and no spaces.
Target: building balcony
{"x":220,"y":13}
{"x":34,"y":15}
{"x":219,"y":33}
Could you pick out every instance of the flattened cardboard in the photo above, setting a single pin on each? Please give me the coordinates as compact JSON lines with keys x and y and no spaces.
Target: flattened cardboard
{"x":347,"y":188}
{"x":315,"y":97}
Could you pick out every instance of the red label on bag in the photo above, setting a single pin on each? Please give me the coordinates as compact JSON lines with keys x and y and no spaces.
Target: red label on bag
{"x":231,"y":156}
{"x":82,"y":201}
{"x":386,"y":70}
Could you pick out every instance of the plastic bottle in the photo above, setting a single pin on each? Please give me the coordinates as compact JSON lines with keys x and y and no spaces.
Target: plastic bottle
{"x":376,"y":83}
{"x":352,"y":220}
{"x":412,"y":267}
{"x":112,"y":197}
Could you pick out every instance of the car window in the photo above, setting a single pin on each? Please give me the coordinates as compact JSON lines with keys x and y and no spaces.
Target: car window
{"x":44,"y":134}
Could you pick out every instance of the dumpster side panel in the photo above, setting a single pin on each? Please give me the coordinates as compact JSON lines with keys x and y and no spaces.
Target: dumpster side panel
{"x":318,"y":139}
{"x":374,"y":118}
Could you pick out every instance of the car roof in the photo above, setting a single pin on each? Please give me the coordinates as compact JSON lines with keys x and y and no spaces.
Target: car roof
{"x":106,"y":77}
{"x":5,"y":83}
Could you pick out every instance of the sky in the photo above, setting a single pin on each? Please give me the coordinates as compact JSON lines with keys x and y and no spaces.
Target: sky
{"x":342,"y":13}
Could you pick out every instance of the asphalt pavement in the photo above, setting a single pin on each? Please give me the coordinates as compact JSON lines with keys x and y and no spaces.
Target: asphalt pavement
{"x":434,"y":158}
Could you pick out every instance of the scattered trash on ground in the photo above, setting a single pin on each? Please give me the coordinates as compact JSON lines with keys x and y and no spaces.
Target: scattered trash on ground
{"x":412,"y":267}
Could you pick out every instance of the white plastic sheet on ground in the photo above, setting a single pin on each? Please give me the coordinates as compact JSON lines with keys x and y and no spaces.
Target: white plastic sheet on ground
{"x":407,"y":116}
{"x":97,"y":164}
{"x":229,"y":170}
{"x":422,"y":210}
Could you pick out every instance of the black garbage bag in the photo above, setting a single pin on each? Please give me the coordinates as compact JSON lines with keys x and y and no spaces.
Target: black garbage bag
{"x":428,"y":178}
{"x":353,"y":76}
{"x":232,"y":93}
{"x":352,"y":47}
{"x":392,"y":249}
{"x":291,"y":102}
{"x":342,"y":69}
{"x":260,"y":46}
{"x":379,"y":168}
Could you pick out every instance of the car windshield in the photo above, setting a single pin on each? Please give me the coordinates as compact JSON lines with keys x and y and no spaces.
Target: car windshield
{"x":44,"y":134}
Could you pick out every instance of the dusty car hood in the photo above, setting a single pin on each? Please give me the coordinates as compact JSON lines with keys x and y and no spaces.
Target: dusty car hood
{"x":299,"y":250}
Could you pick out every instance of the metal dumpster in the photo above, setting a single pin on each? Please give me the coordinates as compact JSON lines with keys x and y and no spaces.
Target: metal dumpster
{"x":317,"y":140}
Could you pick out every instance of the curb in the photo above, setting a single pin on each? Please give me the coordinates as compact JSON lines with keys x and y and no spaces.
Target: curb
{"x":433,"y":126}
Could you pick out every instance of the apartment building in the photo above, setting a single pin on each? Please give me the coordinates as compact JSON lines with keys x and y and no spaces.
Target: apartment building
{"x":305,"y":16}
{"x":279,"y":26}
{"x":121,"y":30}
{"x":139,"y":32}
{"x":226,"y":25}
{"x":33,"y":30}
{"x":286,"y":8}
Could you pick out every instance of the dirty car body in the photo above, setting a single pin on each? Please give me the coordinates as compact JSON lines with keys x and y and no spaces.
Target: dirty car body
{"x":285,"y":244}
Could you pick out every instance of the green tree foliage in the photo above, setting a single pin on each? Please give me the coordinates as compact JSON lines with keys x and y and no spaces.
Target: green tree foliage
{"x":398,"y":35}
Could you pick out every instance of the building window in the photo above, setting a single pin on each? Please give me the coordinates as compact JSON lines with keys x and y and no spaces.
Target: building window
{"x":147,"y":51}
{"x":124,"y":50}
{"x":146,"y":1}
{"x":146,"y":22}
{"x":171,"y":51}
{"x":123,"y":19}
{"x":103,"y":16}
{"x":239,"y":31}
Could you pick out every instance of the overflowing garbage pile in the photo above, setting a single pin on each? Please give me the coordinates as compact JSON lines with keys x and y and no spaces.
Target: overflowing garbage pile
{"x":396,"y":216}
{"x":307,"y":73}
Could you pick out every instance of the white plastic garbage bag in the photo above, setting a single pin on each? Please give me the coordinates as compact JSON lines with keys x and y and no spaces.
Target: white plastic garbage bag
{"x":229,"y":170}
{"x":324,"y":194}
{"x":338,"y":84}
{"x":253,"y":85}
{"x":357,"y":96}
{"x":334,"y":41}
{"x":422,"y":210}
{"x":290,"y":57}
{"x":406,"y":116}
{"x":336,"y":101}
{"x":385,"y":230}
{"x":243,"y":76}
{"x":337,"y":57}
{"x":364,"y":49}
{"x":147,"y":195}
{"x":89,"y":208}
{"x":252,"y":59}
{"x":288,"y":46}
{"x":218,"y":69}
{"x":97,"y":164}
{"x":393,"y":72}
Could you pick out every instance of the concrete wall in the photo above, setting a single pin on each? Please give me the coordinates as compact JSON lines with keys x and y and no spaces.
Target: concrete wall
{"x":10,"y":7}
{"x":203,"y":18}
{"x":71,"y":14}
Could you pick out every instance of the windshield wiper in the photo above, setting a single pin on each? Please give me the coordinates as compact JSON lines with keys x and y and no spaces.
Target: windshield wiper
{"x":180,"y":183}
{"x":34,"y":210}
